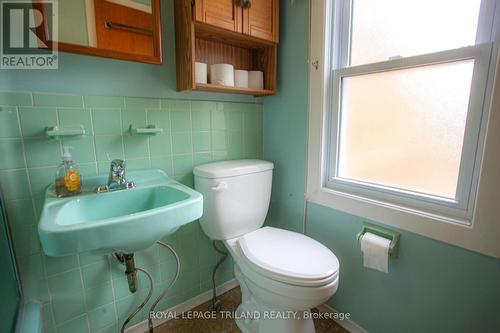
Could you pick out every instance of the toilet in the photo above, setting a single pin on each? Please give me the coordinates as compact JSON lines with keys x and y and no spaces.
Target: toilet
{"x":282,"y":274}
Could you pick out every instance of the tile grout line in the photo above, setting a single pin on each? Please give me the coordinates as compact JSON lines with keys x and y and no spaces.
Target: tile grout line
{"x":91,"y":114}
{"x":122,"y":126}
{"x":83,"y":292}
{"x":122,"y":96}
{"x":149,"y":137}
{"x":190,"y":114}
{"x":169,"y":108}
{"x":73,"y":269}
{"x":113,"y":291}
{"x":58,"y":326}
{"x":52,"y":312}
{"x":58,"y":114}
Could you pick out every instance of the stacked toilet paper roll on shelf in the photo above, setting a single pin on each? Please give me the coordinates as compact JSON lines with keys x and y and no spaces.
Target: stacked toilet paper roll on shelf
{"x":249,"y":79}
{"x":226,"y":75}
{"x":256,"y":79}
{"x":222,"y":74}
{"x":241,"y":78}
{"x":200,"y":72}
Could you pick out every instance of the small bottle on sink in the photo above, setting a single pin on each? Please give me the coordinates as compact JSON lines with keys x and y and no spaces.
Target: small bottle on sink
{"x":68,"y":179}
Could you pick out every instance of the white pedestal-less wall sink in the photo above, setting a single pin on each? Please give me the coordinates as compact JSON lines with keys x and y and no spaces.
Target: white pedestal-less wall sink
{"x":126,"y":221}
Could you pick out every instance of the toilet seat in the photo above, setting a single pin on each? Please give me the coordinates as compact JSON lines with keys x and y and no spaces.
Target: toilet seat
{"x":288,"y":257}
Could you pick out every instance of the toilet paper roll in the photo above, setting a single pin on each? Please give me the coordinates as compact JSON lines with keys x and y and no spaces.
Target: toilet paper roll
{"x":375,"y":252}
{"x":222,"y":74}
{"x":241,"y":78}
{"x":200,"y":72}
{"x":256,"y":79}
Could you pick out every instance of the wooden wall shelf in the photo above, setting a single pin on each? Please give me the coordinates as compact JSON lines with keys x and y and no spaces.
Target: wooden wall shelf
{"x":201,"y":42}
{"x":233,"y":90}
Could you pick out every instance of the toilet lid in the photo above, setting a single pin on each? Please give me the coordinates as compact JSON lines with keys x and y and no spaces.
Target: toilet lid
{"x":289,"y":257}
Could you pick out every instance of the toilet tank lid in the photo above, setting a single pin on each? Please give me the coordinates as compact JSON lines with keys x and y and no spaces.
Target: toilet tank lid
{"x":231,"y":168}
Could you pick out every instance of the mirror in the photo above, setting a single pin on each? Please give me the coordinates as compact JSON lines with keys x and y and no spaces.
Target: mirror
{"x":120,"y":29}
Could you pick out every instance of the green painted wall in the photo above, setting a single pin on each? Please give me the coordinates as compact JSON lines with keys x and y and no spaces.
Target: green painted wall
{"x":285,"y":119}
{"x":432,"y":287}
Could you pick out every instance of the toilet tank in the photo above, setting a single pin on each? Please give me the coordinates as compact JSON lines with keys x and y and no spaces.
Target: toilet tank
{"x":236,"y":196}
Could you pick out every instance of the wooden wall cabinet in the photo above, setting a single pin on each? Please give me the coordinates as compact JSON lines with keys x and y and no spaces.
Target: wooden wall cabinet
{"x":133,"y":33}
{"x":224,"y":14}
{"x":258,"y":18}
{"x":127,"y":30}
{"x":226,"y":31}
{"x":261,"y":20}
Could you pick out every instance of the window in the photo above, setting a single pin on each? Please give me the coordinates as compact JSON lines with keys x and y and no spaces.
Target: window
{"x":381,"y":29}
{"x":403,"y":127}
{"x":407,"y":94}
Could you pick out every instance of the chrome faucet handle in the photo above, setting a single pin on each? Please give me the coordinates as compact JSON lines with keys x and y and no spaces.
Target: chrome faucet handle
{"x":117,"y":173}
{"x":117,"y":165}
{"x":116,"y":179}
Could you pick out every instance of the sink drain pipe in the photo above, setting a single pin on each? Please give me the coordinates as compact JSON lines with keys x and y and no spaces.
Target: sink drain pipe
{"x":131,"y":272}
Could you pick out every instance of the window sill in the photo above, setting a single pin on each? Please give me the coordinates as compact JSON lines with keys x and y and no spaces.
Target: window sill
{"x":452,"y":231}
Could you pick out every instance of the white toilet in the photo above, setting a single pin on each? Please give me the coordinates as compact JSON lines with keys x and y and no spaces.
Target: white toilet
{"x":282,"y":274}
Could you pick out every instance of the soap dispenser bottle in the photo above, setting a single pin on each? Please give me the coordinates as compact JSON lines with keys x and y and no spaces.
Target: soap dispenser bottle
{"x":68,"y":180}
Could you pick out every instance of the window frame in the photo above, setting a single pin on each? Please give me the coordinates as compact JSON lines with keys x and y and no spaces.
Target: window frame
{"x":475,"y":229}
{"x":460,"y":209}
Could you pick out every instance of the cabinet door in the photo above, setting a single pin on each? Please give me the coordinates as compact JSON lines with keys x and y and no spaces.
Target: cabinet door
{"x":125,"y":29}
{"x":224,"y":14}
{"x":261,"y":20}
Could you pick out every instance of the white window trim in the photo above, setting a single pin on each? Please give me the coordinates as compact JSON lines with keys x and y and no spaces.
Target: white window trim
{"x":482,"y":234}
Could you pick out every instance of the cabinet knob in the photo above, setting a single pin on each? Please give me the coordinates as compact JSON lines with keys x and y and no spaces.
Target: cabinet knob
{"x":244,"y":3}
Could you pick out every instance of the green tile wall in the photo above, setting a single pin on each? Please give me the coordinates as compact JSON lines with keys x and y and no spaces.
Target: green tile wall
{"x":84,"y":293}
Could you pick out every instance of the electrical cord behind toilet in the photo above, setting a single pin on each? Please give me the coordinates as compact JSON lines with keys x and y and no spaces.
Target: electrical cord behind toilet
{"x":215,"y":300}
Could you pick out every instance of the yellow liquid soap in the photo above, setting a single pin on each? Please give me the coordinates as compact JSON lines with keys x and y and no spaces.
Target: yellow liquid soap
{"x":68,"y":180}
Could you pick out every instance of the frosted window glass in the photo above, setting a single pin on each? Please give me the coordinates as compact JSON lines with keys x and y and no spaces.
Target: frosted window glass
{"x":405,"y":128}
{"x":382,"y":29}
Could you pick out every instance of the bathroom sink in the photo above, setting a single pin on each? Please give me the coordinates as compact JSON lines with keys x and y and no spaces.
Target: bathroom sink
{"x":126,"y":220}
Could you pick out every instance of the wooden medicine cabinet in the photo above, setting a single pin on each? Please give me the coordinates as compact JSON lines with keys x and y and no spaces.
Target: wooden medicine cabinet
{"x":120,"y":29}
{"x":243,"y":33}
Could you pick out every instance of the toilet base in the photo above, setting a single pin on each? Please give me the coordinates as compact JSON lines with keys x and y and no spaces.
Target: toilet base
{"x":254,"y":317}
{"x":260,"y":325}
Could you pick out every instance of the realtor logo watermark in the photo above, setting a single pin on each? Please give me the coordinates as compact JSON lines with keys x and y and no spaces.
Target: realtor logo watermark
{"x":26,"y":31}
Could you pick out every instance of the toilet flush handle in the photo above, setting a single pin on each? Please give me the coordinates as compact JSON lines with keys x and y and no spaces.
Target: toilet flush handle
{"x":220,"y":187}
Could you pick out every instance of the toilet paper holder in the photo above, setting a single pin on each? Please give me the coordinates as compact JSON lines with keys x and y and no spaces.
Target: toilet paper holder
{"x":383,"y":232}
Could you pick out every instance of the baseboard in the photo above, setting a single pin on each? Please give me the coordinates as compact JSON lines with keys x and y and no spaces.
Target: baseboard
{"x":142,"y":327}
{"x":348,"y":324}
{"x":183,"y":307}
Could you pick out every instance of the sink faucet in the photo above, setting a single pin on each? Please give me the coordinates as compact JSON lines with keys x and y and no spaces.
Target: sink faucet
{"x":116,"y":179}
